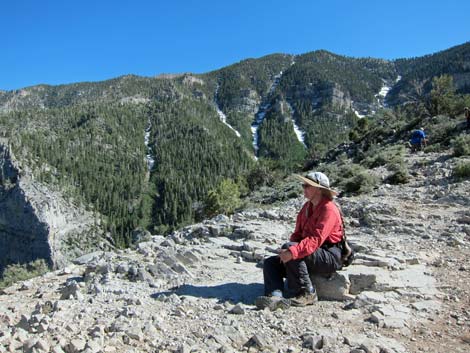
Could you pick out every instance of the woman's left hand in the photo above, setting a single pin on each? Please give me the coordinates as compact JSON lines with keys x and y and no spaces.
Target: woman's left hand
{"x":285,"y":255}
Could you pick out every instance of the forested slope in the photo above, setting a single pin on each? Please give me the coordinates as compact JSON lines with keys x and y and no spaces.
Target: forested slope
{"x":87,"y":139}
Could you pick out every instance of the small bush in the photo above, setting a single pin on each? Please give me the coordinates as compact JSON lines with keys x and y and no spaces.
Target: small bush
{"x":441,"y":133}
{"x":354,"y":136}
{"x":16,"y":272}
{"x":338,"y":175}
{"x":223,"y":199}
{"x":361,"y":183}
{"x":387,"y":156}
{"x":462,"y":171}
{"x":400,"y":176}
{"x":437,"y":147}
{"x":461,"y":145}
{"x":260,"y":175}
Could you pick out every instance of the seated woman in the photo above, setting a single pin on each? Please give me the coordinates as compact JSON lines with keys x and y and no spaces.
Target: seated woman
{"x":315,"y":247}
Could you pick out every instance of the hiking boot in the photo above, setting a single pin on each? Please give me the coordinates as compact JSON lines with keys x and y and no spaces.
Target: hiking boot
{"x":272,"y":302}
{"x":304,"y":299}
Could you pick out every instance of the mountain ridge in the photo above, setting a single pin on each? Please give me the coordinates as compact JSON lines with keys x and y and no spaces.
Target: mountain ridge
{"x":170,"y":75}
{"x":462,"y":46}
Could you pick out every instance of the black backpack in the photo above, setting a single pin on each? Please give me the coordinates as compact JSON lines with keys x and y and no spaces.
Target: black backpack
{"x":347,"y":253}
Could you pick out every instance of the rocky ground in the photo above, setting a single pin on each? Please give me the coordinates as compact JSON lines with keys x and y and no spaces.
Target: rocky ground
{"x":408,"y":290}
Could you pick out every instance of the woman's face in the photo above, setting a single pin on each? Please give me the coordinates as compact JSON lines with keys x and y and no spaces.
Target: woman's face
{"x":310,"y":191}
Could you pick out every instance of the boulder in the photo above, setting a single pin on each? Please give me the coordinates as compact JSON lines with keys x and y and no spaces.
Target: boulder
{"x":333,"y":287}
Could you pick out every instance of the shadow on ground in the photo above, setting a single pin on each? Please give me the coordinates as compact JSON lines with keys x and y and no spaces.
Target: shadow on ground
{"x":234,"y":292}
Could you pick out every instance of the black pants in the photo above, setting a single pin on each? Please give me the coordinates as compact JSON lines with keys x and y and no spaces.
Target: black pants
{"x":415,"y":147}
{"x":297,"y":272}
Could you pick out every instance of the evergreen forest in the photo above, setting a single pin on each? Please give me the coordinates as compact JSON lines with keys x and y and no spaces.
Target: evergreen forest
{"x":93,"y":141}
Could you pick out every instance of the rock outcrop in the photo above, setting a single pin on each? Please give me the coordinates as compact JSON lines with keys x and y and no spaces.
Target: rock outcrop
{"x":321,"y":95}
{"x":37,"y":222}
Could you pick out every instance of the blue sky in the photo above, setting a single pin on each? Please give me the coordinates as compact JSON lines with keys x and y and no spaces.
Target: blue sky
{"x":64,"y":41}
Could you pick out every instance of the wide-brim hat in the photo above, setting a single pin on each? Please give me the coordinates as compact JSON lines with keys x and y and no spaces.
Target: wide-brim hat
{"x":318,"y":180}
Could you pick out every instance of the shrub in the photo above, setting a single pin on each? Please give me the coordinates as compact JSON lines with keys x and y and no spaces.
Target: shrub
{"x":461,"y":145}
{"x":16,"y":272}
{"x":400,"y":176}
{"x":223,"y":199}
{"x":333,"y":173}
{"x":388,"y":156}
{"x":361,"y":183}
{"x":338,"y":175}
{"x":354,"y":136}
{"x":442,"y":94}
{"x":437,"y":147}
{"x":260,"y":175}
{"x":462,"y":171}
{"x":441,"y":130}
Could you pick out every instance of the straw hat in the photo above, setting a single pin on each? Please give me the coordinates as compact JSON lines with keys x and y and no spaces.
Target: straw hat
{"x":318,"y":180}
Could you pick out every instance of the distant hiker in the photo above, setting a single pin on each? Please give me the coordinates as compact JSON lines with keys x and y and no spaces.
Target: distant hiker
{"x":315,"y":247}
{"x":467,"y":118}
{"x":418,"y":140}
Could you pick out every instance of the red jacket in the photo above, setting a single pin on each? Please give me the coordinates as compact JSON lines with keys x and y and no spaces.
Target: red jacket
{"x":314,"y":226}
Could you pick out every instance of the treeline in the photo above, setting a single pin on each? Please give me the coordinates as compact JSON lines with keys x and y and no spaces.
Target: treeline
{"x":124,"y":89}
{"x":418,"y":74}
{"x":452,"y":61}
{"x":96,"y":155}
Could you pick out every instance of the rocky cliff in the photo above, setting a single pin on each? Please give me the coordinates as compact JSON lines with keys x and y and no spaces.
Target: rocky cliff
{"x":37,"y":222}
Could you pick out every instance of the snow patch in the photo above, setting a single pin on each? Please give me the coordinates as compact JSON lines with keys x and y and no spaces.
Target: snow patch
{"x":259,"y":117}
{"x":382,"y":94}
{"x":222,"y":116}
{"x":384,"y":91}
{"x":298,"y":132}
{"x":360,"y":116}
{"x":149,"y":156}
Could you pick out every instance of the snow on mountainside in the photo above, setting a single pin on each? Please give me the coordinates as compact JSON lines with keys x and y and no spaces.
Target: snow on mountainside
{"x":259,"y":116}
{"x":387,"y":86}
{"x":298,"y":132}
{"x":222,"y":116}
{"x":149,"y":156}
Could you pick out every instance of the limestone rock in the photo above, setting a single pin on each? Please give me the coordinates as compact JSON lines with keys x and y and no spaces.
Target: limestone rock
{"x":39,"y":221}
{"x":334,"y":287}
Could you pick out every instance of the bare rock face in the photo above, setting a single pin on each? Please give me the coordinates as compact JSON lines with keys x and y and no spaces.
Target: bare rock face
{"x":247,"y":102}
{"x":319,"y":95}
{"x":36,"y":222}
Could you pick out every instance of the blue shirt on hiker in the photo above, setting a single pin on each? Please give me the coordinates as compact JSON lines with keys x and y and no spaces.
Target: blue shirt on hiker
{"x":417,"y":137}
